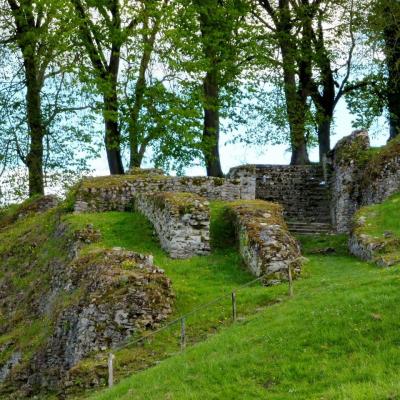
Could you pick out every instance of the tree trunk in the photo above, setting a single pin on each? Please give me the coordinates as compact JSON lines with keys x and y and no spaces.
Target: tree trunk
{"x":299,"y":151}
{"x":210,"y":139}
{"x":392,"y":51}
{"x":34,"y":158}
{"x":296,"y":98}
{"x":136,"y":158}
{"x":296,"y":109}
{"x":324,"y":136}
{"x":112,"y":134}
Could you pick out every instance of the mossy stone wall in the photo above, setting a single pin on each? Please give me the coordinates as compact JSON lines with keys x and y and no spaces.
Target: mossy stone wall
{"x":181,"y":220}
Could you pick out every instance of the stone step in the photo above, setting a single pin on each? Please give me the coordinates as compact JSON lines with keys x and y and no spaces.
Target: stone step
{"x":309,"y":228}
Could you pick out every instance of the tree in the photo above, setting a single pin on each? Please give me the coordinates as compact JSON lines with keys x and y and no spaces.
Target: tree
{"x":33,"y":90}
{"x":102,"y":35}
{"x":221,"y":25}
{"x":279,"y":23}
{"x":31,"y":21}
{"x":387,"y":12}
{"x":138,"y":140}
{"x":325,"y":56}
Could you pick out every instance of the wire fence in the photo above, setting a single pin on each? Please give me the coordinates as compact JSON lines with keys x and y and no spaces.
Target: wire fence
{"x":181,"y":321}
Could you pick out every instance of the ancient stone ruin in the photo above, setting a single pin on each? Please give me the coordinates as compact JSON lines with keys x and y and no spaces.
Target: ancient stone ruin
{"x":265,"y":244}
{"x":181,"y":220}
{"x":116,"y":193}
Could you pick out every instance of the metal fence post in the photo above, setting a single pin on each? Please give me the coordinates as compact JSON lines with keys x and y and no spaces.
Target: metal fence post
{"x":111,"y":359}
{"x":234,"y":306}
{"x":183,"y":334}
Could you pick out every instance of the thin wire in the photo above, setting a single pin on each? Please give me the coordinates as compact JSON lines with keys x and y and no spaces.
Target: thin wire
{"x":179,"y":319}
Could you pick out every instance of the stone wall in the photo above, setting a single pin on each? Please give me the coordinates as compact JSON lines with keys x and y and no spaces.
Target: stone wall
{"x":362,"y":176}
{"x":265,"y":243}
{"x":115,"y":193}
{"x":181,"y":220}
{"x":301,"y":190}
{"x":346,"y":194}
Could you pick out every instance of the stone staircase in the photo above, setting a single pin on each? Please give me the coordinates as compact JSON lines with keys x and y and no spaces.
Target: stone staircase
{"x":314,"y":216}
{"x":309,"y":228}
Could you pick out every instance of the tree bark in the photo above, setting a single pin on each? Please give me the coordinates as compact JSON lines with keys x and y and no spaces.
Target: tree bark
{"x":296,"y":97}
{"x":34,"y":159}
{"x":324,"y":136}
{"x":212,"y":43}
{"x":26,"y":30}
{"x":392,"y":52}
{"x":210,"y":140}
{"x":112,"y":136}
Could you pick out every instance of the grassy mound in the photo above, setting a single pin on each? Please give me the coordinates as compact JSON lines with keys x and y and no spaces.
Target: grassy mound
{"x":337,"y":338}
{"x":30,"y":246}
{"x":378,"y":226}
{"x":195,"y":282}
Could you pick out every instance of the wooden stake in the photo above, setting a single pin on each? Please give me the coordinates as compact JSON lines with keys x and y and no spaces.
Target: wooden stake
{"x":290,"y":282}
{"x":111,"y":359}
{"x":234,"y":306}
{"x":183,"y":334}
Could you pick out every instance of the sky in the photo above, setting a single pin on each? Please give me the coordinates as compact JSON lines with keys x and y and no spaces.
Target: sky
{"x":238,"y":154}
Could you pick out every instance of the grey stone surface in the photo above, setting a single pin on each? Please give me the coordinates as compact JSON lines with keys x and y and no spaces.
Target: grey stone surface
{"x":301,"y":190}
{"x":181,"y":220}
{"x":265,"y":244}
{"x":357,"y":182}
{"x":118,"y":196}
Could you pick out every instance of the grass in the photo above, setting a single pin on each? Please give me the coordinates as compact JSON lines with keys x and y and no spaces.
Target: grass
{"x":382,"y":218}
{"x":196,"y":281}
{"x":337,"y":338}
{"x":381,"y":226}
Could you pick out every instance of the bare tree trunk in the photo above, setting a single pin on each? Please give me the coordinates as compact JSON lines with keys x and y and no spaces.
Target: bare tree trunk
{"x":112,"y":137}
{"x":210,"y":139}
{"x":34,"y":159}
{"x":296,"y":97}
{"x":324,"y":137}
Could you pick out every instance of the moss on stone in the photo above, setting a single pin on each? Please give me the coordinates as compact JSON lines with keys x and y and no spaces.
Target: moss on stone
{"x":378,"y":159}
{"x":118,"y":181}
{"x":377,"y":228}
{"x":183,"y":202}
{"x":218,"y":181}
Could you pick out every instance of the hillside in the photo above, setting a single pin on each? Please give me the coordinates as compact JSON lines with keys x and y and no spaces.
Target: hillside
{"x":37,"y":246}
{"x":336,"y":339}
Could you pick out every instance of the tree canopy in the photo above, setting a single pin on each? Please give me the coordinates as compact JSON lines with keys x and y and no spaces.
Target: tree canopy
{"x":159,"y":81}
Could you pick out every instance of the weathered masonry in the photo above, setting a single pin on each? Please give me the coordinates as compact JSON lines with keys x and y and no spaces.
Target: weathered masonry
{"x":181,"y":220}
{"x":320,"y":198}
{"x":115,"y":193}
{"x":302,"y":190}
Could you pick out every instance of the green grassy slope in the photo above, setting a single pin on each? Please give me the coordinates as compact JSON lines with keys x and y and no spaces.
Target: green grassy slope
{"x":381,"y":218}
{"x":380,"y":224}
{"x":338,"y":338}
{"x":195,"y":282}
